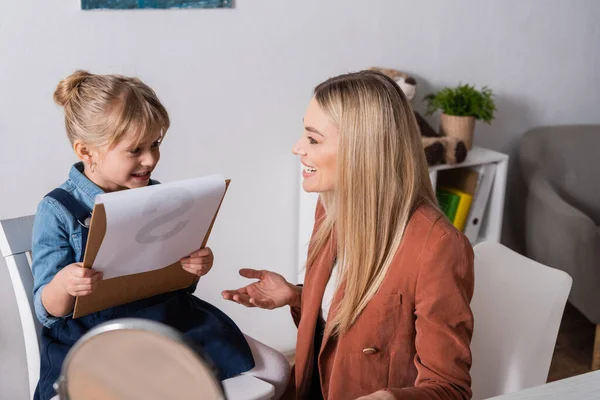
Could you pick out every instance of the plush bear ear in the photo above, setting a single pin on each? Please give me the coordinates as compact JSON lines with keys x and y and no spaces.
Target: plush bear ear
{"x":408,"y":86}
{"x":389,"y":72}
{"x":456,"y":150}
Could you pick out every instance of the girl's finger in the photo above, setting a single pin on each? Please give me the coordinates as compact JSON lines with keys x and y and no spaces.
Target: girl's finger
{"x":205,"y":252}
{"x":81,"y":282}
{"x":195,"y":261}
{"x":195,"y":271}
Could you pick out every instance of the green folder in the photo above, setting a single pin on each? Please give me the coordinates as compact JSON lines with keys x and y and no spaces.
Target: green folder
{"x":448,"y":203}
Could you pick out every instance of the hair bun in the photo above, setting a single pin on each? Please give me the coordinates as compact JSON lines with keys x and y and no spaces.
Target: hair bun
{"x":67,"y":88}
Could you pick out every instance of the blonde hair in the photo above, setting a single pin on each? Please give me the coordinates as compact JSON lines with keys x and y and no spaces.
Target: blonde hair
{"x":101,"y":109}
{"x":382,"y":177}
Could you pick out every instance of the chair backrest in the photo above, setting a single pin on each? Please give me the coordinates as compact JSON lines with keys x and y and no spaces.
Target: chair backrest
{"x":15,"y":246}
{"x":565,"y":155}
{"x":518,"y":305}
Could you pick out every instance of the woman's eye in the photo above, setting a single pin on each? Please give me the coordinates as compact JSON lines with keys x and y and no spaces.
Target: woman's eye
{"x":134,"y":151}
{"x":156,"y":144}
{"x":312,"y":141}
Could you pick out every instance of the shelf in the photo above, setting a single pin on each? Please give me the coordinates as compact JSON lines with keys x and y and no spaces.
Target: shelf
{"x":475,"y":156}
{"x":491,"y":224}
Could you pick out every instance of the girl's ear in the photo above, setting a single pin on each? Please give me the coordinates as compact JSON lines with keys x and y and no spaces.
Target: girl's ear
{"x":84,"y":152}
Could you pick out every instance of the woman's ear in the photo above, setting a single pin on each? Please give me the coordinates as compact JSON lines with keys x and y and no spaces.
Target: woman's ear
{"x":84,"y":152}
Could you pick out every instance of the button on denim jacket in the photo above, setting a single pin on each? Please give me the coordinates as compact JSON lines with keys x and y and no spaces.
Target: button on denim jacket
{"x":57,"y":240}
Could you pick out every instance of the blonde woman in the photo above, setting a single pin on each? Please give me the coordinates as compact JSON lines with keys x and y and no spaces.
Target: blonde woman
{"x":384,"y":312}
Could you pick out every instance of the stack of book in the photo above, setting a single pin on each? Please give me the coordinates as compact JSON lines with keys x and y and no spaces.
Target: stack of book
{"x":463,"y":194}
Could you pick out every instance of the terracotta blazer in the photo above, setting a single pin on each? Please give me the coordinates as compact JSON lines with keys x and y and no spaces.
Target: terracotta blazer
{"x":413,"y":338}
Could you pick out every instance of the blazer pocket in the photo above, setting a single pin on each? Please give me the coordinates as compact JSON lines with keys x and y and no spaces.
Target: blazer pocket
{"x":383,"y":303}
{"x":367,"y":345}
{"x":382,"y":321}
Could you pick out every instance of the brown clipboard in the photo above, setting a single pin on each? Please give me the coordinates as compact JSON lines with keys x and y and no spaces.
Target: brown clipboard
{"x":126,"y":289}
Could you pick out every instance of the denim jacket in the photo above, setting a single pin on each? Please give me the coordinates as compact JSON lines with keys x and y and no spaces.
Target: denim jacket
{"x":57,"y":236}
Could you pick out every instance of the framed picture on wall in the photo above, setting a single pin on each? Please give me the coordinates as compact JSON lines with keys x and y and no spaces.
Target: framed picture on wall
{"x":160,"y":4}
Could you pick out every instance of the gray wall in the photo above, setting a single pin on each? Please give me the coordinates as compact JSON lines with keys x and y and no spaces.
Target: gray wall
{"x":236,"y":83}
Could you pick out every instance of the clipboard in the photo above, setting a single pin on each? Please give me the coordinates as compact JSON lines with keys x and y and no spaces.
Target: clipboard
{"x":126,"y":289}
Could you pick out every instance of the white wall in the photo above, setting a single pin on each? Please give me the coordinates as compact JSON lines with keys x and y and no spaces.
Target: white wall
{"x":236,"y":83}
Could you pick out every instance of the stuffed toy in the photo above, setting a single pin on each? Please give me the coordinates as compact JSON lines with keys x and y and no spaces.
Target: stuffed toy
{"x":438,"y":149}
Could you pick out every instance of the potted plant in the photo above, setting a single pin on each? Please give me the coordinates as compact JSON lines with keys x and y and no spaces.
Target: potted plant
{"x":460,"y":107}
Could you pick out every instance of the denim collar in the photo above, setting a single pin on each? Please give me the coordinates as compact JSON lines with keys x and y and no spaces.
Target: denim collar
{"x":88,"y":188}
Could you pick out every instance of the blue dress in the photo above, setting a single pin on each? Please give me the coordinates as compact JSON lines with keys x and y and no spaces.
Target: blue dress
{"x":59,"y":239}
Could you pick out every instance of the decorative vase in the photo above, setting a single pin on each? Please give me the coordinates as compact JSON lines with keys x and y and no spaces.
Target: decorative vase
{"x":459,"y":127}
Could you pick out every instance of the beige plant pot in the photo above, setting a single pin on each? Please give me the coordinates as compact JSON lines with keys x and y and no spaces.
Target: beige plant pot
{"x":459,"y":127}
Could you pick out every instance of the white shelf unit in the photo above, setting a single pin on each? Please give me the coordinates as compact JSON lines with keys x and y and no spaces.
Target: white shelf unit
{"x":491,"y":224}
{"x":491,"y":227}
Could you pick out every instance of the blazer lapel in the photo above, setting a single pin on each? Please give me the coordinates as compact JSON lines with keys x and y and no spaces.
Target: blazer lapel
{"x":338,"y":296}
{"x":317,"y":276}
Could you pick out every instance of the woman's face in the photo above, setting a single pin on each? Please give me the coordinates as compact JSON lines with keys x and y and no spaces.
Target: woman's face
{"x":317,"y":148}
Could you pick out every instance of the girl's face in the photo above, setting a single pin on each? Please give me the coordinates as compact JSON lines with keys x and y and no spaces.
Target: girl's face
{"x":124,"y":165}
{"x":318,"y":148}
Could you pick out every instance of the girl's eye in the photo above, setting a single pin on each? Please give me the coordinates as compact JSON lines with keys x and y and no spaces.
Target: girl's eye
{"x":134,"y":151}
{"x":311,"y":140}
{"x":156,"y":144}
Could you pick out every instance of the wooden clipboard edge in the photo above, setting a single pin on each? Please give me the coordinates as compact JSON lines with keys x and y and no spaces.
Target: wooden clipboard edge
{"x":227,"y":182}
{"x":99,"y":219}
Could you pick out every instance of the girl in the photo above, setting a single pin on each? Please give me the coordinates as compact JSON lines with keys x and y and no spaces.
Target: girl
{"x":116,"y":125}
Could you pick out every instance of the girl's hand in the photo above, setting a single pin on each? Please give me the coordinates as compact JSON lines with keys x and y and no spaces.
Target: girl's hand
{"x":199,"y":262}
{"x":78,"y":281}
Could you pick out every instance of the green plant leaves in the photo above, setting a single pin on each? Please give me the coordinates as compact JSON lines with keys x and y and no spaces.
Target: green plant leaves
{"x":464,"y":101}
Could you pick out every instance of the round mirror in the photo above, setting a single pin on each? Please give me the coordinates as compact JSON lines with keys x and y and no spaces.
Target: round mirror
{"x":136,"y":359}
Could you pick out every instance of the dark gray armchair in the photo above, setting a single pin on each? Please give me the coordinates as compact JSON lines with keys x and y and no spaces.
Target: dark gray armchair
{"x":561,"y":168}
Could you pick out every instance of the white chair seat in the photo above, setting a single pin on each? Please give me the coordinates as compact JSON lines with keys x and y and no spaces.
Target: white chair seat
{"x":247,"y":387}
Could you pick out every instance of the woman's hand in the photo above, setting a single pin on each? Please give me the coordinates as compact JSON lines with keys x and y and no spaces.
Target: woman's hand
{"x":271,"y":291}
{"x":378,"y":395}
{"x":199,"y":262}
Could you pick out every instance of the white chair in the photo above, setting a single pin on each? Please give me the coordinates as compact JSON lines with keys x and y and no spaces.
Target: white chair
{"x":15,"y":246}
{"x":518,"y":305}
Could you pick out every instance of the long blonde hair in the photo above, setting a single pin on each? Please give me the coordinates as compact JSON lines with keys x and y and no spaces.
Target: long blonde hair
{"x":382,"y":177}
{"x":101,"y":109}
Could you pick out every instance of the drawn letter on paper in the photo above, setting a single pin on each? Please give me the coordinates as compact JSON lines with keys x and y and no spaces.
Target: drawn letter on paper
{"x":155,"y":226}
